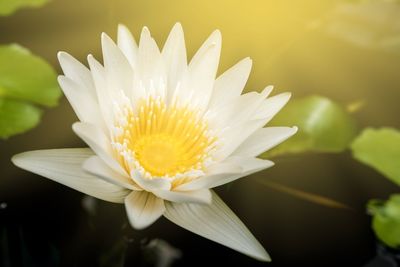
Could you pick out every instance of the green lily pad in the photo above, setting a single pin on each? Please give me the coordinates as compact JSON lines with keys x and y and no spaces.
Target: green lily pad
{"x":7,"y":7}
{"x":17,"y":117}
{"x":24,"y":76}
{"x":379,"y":149}
{"x":324,"y":126}
{"x":26,"y":80}
{"x":386,"y":220}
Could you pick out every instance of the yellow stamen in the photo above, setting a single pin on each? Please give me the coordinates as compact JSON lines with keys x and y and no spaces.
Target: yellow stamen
{"x":165,"y":140}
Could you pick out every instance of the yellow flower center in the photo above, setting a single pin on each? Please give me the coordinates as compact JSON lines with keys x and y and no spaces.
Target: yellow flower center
{"x":164,"y":140}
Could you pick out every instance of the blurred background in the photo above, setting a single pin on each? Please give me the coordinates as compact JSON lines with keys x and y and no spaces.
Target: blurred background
{"x":348,"y":51}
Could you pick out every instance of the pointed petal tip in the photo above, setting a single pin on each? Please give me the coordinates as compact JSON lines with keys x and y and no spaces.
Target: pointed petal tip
{"x":103,"y":35}
{"x":287,"y":96}
{"x":247,"y":63}
{"x":75,"y":126}
{"x":122,"y":27}
{"x":64,"y":82}
{"x":106,"y":39}
{"x":259,"y":253}
{"x":78,"y":127}
{"x":145,"y":31}
{"x":248,"y":60}
{"x":271,"y":164}
{"x":284,"y":97}
{"x":217,"y":36}
{"x":123,"y":31}
{"x":16,"y":159}
{"x":138,"y":225}
{"x":64,"y":166}
{"x":215,"y":39}
{"x":65,"y":58}
{"x":264,"y":256}
{"x":176,"y":32}
{"x":177,"y":26}
{"x":60,"y":78}
{"x":143,"y":209}
{"x":61,"y":55}
{"x":21,"y":159}
{"x":93,"y":62}
{"x":271,"y":87}
{"x":267,"y":90}
{"x":217,"y":33}
{"x":222,"y":226}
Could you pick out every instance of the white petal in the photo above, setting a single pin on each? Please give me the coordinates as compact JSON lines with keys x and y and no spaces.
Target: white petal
{"x":197,"y":196}
{"x":143,"y":208}
{"x":85,"y":106}
{"x":153,"y":184}
{"x":96,"y":166}
{"x":95,"y":138}
{"x":217,"y":223}
{"x":213,"y":40}
{"x":214,"y":173}
{"x":248,"y":165}
{"x":223,"y":174}
{"x":103,"y":94}
{"x":150,"y":69}
{"x":236,"y":133}
{"x":231,"y":83}
{"x":233,"y":137}
{"x":263,"y":140}
{"x":119,"y":72}
{"x":77,"y":72}
{"x":65,"y":166}
{"x":202,"y":71}
{"x":238,"y":110}
{"x":174,"y":56}
{"x":270,"y":106}
{"x":127,"y":44}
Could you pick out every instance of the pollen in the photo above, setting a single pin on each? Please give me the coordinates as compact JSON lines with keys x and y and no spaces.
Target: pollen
{"x":163,"y":141}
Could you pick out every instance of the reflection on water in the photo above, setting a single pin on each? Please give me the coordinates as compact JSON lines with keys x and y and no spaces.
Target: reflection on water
{"x":160,"y":253}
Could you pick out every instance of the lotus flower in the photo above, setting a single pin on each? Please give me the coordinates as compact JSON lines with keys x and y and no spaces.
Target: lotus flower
{"x":162,"y":133}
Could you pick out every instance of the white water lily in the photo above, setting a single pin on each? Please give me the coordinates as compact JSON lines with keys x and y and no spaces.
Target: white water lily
{"x":162,"y":133}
